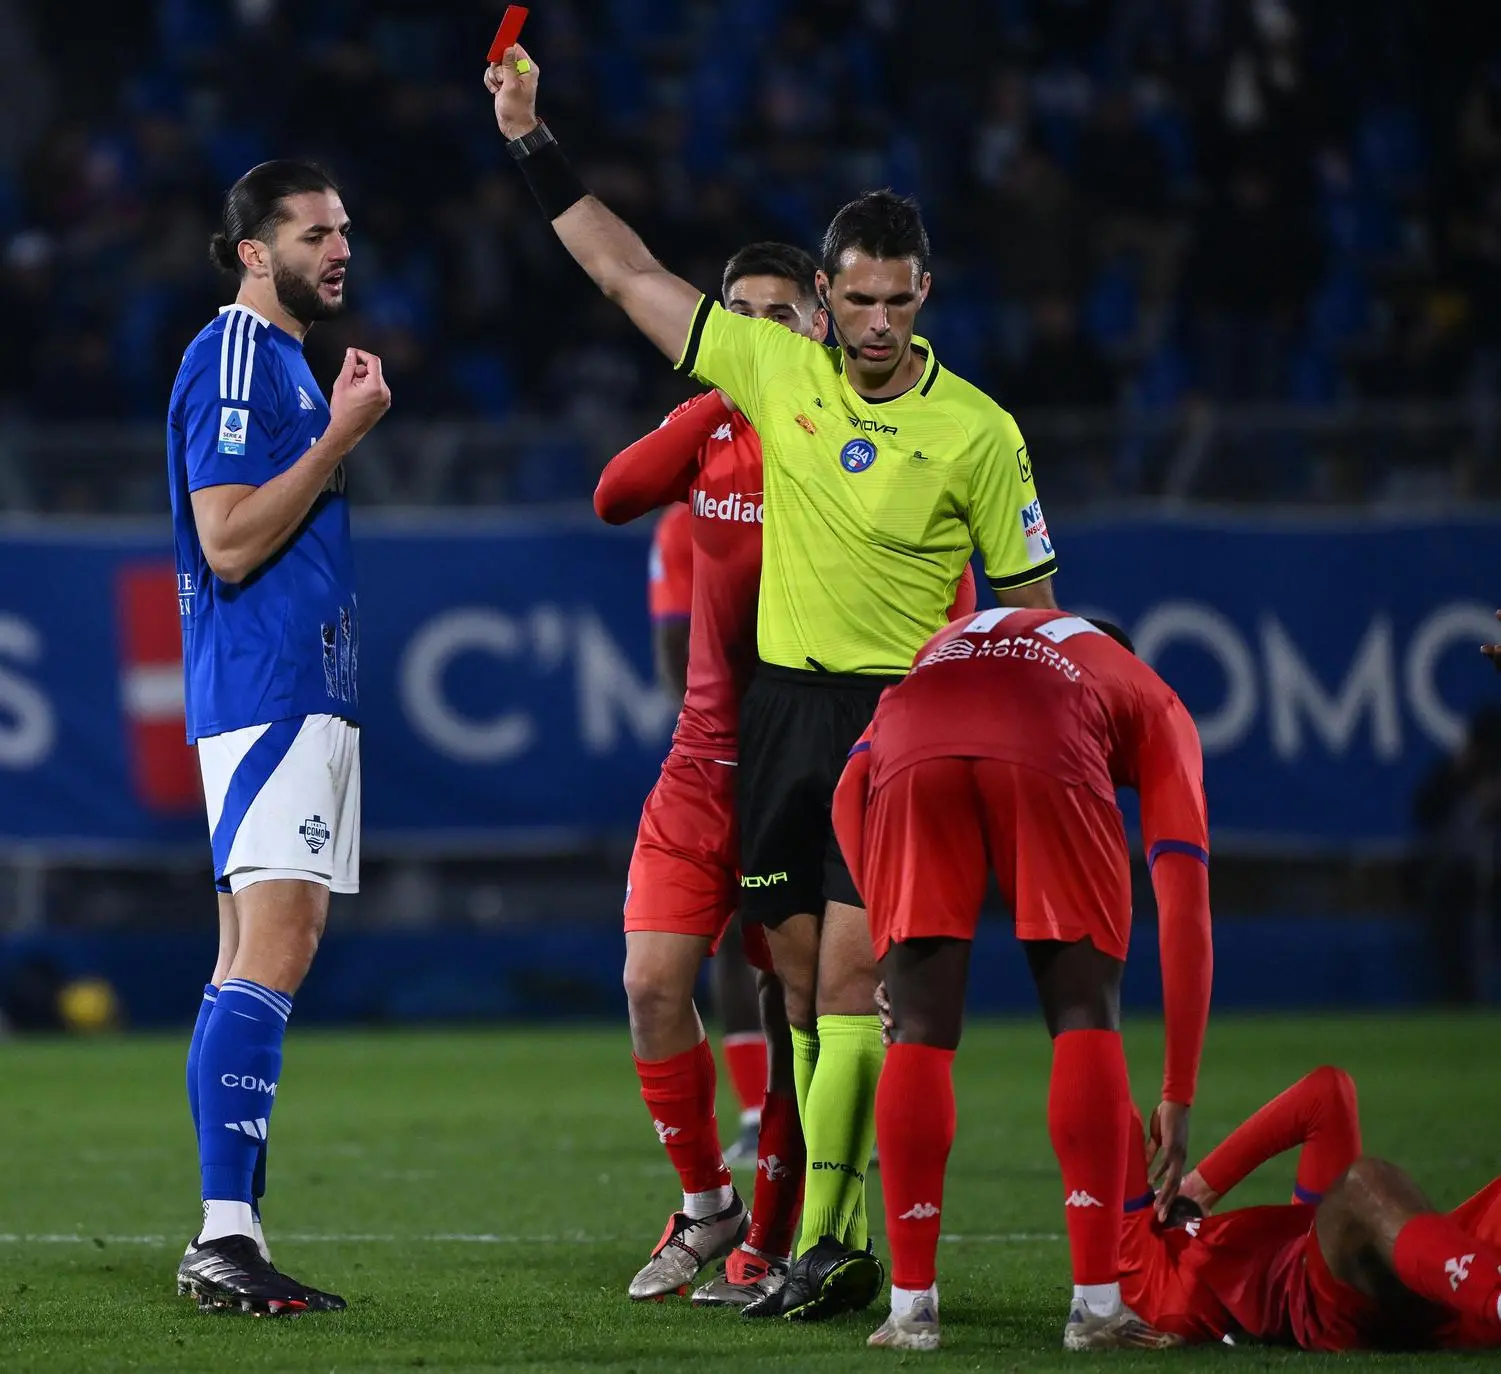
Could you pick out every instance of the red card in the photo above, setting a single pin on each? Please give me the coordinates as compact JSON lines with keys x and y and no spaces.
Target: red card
{"x":508,"y":32}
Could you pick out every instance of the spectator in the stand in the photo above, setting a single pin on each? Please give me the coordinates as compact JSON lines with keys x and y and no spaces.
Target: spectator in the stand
{"x":1062,"y":367}
{"x":1112,"y":136}
{"x":1253,"y":264}
{"x":1457,"y":809}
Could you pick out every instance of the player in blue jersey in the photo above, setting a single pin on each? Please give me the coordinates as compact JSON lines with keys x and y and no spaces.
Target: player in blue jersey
{"x":270,"y":647}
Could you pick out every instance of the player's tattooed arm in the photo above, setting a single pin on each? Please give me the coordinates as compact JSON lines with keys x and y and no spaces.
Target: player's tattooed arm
{"x":660,"y":304}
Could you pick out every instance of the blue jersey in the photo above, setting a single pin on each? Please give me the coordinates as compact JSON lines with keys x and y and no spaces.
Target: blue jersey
{"x":286,"y":641}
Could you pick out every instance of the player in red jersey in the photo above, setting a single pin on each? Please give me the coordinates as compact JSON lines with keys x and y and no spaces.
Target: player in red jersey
{"x":1001,"y":751}
{"x":683,"y":887}
{"x":1359,"y":1260}
{"x":733,"y":981}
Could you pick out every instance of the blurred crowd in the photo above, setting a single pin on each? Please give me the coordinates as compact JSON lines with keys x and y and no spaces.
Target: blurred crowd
{"x":1132,"y":202}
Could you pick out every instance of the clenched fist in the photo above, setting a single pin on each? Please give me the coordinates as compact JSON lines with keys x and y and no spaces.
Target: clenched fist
{"x":515,"y":92}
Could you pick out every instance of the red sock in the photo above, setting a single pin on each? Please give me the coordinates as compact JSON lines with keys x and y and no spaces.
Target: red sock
{"x":745,"y":1058}
{"x":1089,"y":1118}
{"x":781,"y":1159}
{"x":1439,"y":1260}
{"x":914,"y":1132}
{"x":1318,"y":1112}
{"x":679,"y":1094}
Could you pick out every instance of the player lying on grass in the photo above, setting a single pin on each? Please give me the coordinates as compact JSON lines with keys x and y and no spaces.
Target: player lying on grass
{"x":1360,"y":1260}
{"x":683,"y":888}
{"x":1001,"y":752}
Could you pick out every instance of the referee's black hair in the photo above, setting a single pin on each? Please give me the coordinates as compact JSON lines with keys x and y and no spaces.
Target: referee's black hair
{"x":880,"y":223}
{"x":773,"y":260}
{"x":256,"y":206}
{"x":1115,"y":632}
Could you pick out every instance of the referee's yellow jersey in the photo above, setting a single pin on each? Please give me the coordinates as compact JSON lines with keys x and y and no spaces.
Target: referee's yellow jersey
{"x":872,"y":507}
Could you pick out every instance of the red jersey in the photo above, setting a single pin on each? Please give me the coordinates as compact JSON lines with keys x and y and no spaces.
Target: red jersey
{"x":1047,"y":690}
{"x":669,"y":588}
{"x":710,"y":457}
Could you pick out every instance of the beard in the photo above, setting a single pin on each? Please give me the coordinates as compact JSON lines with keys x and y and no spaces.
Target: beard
{"x":299,"y":297}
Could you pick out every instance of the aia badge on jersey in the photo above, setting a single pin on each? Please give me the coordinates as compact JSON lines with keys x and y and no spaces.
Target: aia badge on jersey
{"x":857,"y":455}
{"x":1035,"y":528}
{"x":233,"y":424}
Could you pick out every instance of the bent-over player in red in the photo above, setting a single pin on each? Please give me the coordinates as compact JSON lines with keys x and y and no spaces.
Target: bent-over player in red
{"x":1359,"y":1260}
{"x":1001,"y":752}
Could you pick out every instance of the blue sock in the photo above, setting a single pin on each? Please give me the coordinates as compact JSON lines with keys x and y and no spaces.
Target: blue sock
{"x":195,"y":1048}
{"x":238,"y":1065}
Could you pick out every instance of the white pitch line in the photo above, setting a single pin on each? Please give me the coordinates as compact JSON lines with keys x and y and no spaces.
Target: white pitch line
{"x":453,"y":1238}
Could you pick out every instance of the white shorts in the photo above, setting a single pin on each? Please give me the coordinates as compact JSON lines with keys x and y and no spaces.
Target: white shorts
{"x":284,"y":802}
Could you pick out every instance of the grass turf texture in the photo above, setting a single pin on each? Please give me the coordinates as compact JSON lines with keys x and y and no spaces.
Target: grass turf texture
{"x":537,"y":1140}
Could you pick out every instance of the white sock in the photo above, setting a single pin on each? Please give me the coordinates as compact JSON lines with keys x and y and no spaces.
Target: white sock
{"x":903,"y":1300}
{"x":260,"y":1238}
{"x":1101,"y":1299}
{"x":222,"y":1219}
{"x":751,"y":1116}
{"x":706,"y":1204}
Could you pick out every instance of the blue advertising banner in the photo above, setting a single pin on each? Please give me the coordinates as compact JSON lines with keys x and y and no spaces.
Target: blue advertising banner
{"x":507,"y":697}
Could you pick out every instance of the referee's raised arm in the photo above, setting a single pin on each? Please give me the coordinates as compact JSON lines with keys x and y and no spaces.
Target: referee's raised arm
{"x":605,"y":246}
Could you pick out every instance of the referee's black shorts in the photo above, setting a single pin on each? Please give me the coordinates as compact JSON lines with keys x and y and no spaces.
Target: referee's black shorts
{"x":796,"y":732}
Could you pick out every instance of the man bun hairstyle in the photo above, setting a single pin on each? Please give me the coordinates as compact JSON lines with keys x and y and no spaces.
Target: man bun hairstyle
{"x":773,"y":260}
{"x":256,"y":206}
{"x":881,"y":224}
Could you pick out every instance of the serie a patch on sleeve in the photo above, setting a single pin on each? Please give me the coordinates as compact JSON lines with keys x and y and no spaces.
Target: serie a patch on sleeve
{"x":234,"y":423}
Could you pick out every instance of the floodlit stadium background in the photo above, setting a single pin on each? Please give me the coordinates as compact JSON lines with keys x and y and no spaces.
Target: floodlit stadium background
{"x":1235,"y":267}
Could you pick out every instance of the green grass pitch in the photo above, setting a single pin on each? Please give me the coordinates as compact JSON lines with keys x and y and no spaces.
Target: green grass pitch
{"x":483,"y":1198}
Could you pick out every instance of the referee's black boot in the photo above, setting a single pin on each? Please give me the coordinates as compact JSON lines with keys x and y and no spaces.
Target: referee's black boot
{"x":825,"y":1281}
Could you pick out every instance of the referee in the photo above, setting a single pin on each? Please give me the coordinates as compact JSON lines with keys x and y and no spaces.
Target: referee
{"x":883,"y":472}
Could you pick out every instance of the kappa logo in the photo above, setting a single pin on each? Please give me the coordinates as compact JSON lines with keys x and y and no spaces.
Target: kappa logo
{"x":1458,"y":1270}
{"x":664,"y":1131}
{"x":723,"y":433}
{"x":315,"y":831}
{"x":922,"y":1211}
{"x":1079,"y":1198}
{"x":772,"y":1167}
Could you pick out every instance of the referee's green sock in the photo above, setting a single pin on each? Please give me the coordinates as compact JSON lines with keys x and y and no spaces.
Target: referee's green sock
{"x":804,"y":1061}
{"x":839,"y":1123}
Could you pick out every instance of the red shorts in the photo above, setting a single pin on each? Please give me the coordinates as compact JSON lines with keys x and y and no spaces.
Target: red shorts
{"x":684,"y":876}
{"x":936,"y":831}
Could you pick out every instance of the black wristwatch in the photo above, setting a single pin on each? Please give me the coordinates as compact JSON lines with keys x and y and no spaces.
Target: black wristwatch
{"x":528,"y":144}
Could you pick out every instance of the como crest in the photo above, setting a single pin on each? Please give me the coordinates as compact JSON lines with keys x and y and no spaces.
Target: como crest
{"x":857,"y":455}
